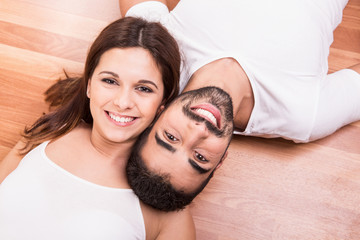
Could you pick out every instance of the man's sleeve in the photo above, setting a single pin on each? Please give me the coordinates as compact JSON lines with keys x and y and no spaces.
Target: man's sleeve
{"x":339,"y":103}
{"x":150,"y":10}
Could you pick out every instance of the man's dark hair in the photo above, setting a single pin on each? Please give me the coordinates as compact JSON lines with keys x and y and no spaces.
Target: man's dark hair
{"x":153,"y":188}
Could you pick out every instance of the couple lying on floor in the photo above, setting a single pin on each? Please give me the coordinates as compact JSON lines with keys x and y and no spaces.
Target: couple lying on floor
{"x":120,"y":151}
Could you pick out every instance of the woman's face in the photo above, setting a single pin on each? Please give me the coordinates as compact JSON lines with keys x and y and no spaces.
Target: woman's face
{"x":125,"y":92}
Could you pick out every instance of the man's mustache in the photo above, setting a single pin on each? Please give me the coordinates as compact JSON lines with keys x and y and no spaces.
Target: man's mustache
{"x":213,"y":129}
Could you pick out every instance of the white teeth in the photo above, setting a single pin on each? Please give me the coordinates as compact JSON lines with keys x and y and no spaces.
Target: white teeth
{"x":121,"y":119}
{"x":207,"y":114}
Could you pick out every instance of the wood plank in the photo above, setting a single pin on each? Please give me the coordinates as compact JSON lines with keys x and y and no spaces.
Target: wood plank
{"x":24,"y":76}
{"x":36,"y":64}
{"x":107,"y":11}
{"x":34,"y":16}
{"x":43,"y":42}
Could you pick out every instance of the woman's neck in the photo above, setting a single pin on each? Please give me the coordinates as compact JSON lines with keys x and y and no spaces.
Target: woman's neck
{"x":91,"y":158}
{"x":111,"y":150}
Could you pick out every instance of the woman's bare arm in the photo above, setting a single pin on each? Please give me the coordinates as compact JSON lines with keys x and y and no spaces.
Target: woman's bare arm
{"x":11,"y":161}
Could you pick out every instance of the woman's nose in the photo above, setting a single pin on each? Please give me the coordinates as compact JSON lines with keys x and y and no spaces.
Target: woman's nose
{"x":124,"y":99}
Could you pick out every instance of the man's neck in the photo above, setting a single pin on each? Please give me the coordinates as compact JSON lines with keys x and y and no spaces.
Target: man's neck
{"x":227,"y":74}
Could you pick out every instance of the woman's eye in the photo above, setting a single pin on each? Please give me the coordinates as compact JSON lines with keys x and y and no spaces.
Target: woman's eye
{"x":171,"y":137}
{"x":144,"y":89}
{"x":108,"y":81}
{"x":200,"y":157}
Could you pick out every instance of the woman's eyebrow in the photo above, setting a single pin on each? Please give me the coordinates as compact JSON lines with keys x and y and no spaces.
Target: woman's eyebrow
{"x":109,"y":72}
{"x":148,"y":82}
{"x":140,"y":81}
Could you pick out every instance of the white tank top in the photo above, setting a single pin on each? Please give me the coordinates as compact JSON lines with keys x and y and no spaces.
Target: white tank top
{"x":40,"y":200}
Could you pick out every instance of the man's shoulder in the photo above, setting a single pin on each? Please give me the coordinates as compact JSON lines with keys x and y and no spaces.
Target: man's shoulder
{"x":149,"y":10}
{"x":168,"y":225}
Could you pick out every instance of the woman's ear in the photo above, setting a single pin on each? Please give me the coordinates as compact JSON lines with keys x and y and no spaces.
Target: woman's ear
{"x":88,"y":89}
{"x":160,"y":109}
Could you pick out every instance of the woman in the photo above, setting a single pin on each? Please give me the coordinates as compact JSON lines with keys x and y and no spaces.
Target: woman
{"x":73,"y":185}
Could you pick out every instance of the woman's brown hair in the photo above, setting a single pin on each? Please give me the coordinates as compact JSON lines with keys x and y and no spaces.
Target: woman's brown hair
{"x":68,"y":96}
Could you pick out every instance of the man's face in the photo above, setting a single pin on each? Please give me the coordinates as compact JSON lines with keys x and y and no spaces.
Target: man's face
{"x":190,"y":138}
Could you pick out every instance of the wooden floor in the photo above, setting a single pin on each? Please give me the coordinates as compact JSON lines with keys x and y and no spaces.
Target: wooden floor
{"x":267,"y":189}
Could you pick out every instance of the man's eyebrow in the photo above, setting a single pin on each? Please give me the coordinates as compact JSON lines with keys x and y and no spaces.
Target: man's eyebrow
{"x":164,"y":144}
{"x":197,"y":167}
{"x":170,"y":148}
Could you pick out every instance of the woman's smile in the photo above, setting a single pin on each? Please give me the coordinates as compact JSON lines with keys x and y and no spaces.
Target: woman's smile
{"x":121,"y":120}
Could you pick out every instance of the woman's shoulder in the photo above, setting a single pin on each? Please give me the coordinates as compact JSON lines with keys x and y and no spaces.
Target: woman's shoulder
{"x":177,"y":225}
{"x":81,"y":131}
{"x":75,"y":139}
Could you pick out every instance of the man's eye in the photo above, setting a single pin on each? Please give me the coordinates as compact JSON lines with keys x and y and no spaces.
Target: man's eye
{"x":200,"y":157}
{"x":108,"y":81}
{"x":144,"y":89}
{"x":171,"y":137}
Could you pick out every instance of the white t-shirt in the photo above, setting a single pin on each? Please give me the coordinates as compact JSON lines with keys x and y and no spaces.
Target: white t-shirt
{"x":42,"y":201}
{"x":282,"y":45}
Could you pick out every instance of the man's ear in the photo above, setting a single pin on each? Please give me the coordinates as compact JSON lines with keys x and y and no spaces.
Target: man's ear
{"x":222,"y":160}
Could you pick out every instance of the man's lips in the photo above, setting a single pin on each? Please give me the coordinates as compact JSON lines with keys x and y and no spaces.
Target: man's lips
{"x":209,"y":112}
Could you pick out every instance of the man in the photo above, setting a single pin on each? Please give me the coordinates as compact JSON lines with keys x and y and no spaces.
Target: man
{"x":189,"y":141}
{"x":270,"y":56}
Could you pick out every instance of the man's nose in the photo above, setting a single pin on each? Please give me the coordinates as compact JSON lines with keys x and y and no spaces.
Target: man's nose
{"x":198,"y":130}
{"x":124,"y":99}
